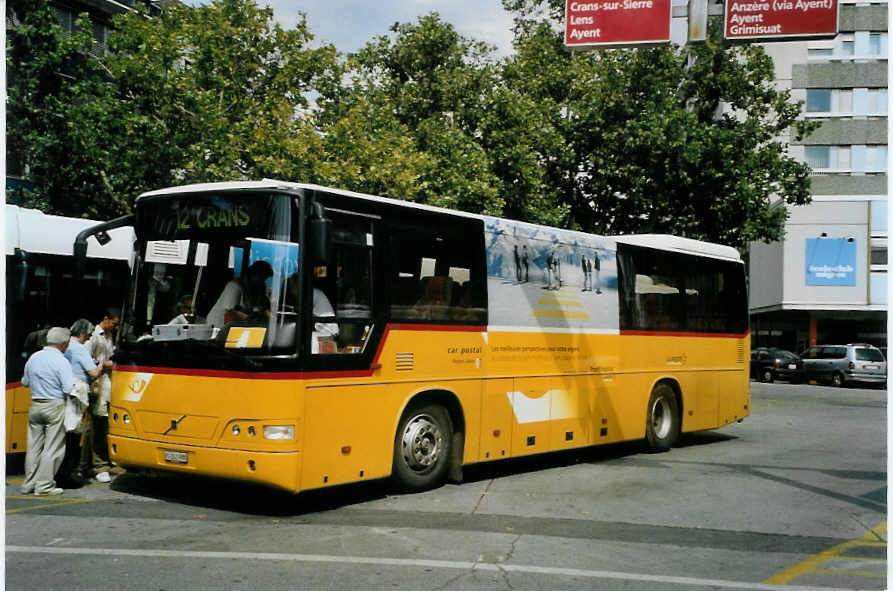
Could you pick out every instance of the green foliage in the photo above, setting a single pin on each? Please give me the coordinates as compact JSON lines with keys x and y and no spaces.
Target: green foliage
{"x":445,"y":95}
{"x":689,"y":141}
{"x":52,"y":85}
{"x":217,"y":92}
{"x":195,"y":94}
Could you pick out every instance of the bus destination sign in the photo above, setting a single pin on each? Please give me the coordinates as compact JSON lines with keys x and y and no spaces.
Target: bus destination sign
{"x":782,"y":19}
{"x":616,"y":23}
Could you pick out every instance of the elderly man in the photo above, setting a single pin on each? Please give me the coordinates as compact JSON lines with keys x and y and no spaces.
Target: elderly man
{"x":50,"y":378}
{"x":85,"y":370}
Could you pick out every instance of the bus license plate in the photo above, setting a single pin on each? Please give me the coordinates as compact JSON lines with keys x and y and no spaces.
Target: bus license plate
{"x":792,"y":366}
{"x":176,"y":457}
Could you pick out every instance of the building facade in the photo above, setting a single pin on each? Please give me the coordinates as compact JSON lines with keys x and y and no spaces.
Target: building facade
{"x":826,"y":282}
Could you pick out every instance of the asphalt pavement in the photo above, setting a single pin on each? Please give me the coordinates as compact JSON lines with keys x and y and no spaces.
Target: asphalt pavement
{"x":792,"y":498}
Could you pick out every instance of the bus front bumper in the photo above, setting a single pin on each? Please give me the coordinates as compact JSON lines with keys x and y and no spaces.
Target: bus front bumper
{"x":277,"y":469}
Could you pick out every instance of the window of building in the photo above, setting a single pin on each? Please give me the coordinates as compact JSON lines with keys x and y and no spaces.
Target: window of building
{"x":820,"y":52}
{"x":818,"y":156}
{"x":877,"y":101}
{"x":818,"y":100}
{"x":860,"y":101}
{"x":858,"y":44}
{"x":844,"y":101}
{"x":66,"y":19}
{"x":876,"y":158}
{"x":878,"y":252}
{"x":829,"y":157}
{"x":859,"y":155}
{"x":877,"y":44}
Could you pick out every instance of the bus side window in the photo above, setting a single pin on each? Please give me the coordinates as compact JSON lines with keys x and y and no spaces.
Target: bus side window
{"x":650,"y":292}
{"x":342,"y":324}
{"x":437,"y":273}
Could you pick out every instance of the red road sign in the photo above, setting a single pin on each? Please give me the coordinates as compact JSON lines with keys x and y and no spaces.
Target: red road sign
{"x":768,"y":19}
{"x":606,"y":23}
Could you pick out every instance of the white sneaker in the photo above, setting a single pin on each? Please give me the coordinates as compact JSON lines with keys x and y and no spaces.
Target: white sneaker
{"x":103,"y":477}
{"x":53,"y":492}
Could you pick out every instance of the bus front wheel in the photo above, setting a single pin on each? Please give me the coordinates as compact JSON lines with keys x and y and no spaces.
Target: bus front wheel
{"x":662,"y":428}
{"x":422,"y":447}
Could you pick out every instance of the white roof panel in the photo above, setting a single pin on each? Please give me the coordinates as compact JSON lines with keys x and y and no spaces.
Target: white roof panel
{"x":34,"y":231}
{"x":679,"y":244}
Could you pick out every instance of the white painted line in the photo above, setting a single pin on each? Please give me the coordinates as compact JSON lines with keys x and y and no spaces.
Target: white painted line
{"x":412,"y":562}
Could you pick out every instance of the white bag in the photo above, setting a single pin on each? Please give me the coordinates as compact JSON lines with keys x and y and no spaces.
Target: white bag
{"x":75,"y":405}
{"x":74,"y":415}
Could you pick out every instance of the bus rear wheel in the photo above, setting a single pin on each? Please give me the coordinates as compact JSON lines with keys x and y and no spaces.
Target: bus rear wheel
{"x":662,"y":427}
{"x":422,"y":447}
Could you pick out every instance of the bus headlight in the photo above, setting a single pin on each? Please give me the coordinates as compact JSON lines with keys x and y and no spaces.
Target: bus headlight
{"x":279,"y":432}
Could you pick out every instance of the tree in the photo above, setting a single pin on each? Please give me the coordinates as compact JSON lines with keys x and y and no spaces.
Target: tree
{"x":194,"y":94}
{"x":216,"y":92}
{"x":481,"y":144}
{"x":418,"y":90}
{"x":53,"y":87}
{"x":689,"y":141}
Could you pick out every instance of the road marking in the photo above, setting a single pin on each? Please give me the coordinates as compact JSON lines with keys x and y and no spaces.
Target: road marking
{"x":409,"y":562}
{"x":54,"y":503}
{"x":813,"y":563}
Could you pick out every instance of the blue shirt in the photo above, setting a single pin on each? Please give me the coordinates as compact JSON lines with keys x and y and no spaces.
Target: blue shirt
{"x":80,"y":359}
{"x":48,"y":374}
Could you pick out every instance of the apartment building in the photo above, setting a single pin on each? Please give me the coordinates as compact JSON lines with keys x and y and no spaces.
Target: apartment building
{"x":826,"y":282}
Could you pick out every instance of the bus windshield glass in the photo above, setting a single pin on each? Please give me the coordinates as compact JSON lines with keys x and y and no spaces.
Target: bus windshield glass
{"x":220,"y":268}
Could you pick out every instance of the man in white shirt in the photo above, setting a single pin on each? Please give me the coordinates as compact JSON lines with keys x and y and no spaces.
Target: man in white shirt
{"x":95,"y":451}
{"x":237,"y":291}
{"x":48,"y":374}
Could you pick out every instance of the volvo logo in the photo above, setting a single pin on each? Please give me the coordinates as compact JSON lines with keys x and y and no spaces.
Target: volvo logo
{"x":174,"y":424}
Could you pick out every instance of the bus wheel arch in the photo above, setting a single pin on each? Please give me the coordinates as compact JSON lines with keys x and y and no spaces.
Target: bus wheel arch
{"x":663,"y":422}
{"x":429,"y":441}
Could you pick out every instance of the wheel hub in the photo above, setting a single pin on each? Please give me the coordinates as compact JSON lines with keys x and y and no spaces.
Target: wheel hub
{"x":422,"y":443}
{"x":661,"y":421}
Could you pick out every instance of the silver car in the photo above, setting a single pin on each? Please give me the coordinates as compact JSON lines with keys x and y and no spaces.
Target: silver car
{"x":843,"y":364}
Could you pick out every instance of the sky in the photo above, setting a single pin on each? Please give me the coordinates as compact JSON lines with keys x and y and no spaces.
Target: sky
{"x":349,"y":24}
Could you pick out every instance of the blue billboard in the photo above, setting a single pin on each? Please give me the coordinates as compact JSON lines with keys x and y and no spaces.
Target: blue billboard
{"x":831,"y":261}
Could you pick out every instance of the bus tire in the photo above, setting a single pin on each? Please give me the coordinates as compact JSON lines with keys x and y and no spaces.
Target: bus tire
{"x":422,"y":447}
{"x":662,"y":427}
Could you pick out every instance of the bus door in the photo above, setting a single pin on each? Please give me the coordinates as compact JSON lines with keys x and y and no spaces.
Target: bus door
{"x":348,"y":436}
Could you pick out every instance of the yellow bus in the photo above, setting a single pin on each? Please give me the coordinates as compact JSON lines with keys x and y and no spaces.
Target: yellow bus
{"x":301,"y":337}
{"x":42,"y":290}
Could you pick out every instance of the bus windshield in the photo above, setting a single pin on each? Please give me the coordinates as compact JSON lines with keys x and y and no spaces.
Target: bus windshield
{"x":221,"y":268}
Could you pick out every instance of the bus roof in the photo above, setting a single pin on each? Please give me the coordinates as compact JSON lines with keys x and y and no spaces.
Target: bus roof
{"x":679,"y":244}
{"x":658,"y":241}
{"x":33,"y":231}
{"x":275,"y":184}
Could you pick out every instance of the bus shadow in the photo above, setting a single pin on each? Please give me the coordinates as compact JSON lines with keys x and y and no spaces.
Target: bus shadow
{"x":254,"y":499}
{"x":591,"y":455}
{"x":703,"y":438}
{"x":244,"y":497}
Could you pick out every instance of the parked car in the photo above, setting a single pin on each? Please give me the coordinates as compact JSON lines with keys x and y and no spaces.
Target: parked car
{"x":768,"y":364}
{"x":840,"y":365}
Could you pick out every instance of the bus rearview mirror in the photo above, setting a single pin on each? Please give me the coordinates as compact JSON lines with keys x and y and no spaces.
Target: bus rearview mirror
{"x":320,"y":236}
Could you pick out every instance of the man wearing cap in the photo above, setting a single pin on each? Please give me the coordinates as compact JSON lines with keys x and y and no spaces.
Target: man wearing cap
{"x":48,"y":374}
